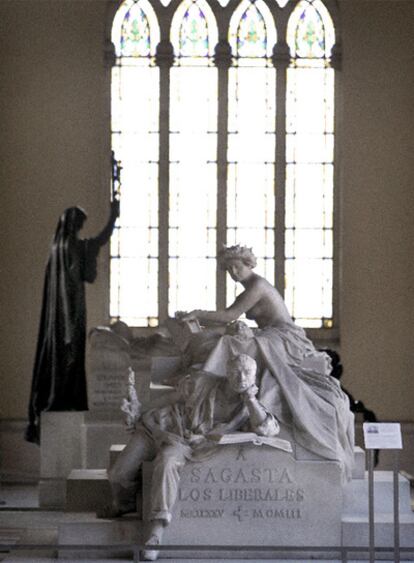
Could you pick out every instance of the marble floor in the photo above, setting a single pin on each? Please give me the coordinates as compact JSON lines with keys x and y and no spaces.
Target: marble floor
{"x":23,"y":523}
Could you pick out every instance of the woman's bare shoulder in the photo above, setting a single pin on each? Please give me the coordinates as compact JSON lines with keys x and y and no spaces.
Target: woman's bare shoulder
{"x":261,"y":283}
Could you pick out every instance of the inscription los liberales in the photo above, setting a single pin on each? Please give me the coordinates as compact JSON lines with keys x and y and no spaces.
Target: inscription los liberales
{"x":241,"y":484}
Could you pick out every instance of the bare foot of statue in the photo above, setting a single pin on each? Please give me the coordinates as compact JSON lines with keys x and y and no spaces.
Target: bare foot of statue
{"x":154,"y":538}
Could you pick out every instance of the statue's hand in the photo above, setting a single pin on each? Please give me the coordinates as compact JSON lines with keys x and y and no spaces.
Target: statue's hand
{"x":250,"y":392}
{"x":195,"y":439}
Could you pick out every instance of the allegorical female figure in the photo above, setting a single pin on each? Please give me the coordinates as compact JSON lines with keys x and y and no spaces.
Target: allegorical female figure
{"x":294,"y":381}
{"x":59,"y":381}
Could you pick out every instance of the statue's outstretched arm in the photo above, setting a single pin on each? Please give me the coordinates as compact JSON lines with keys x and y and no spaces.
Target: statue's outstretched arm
{"x":103,"y":237}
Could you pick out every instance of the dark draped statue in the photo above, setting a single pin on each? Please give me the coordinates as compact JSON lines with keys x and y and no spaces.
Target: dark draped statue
{"x":59,"y":381}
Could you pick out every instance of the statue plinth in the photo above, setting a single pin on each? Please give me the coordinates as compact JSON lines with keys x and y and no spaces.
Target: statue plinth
{"x":255,"y":495}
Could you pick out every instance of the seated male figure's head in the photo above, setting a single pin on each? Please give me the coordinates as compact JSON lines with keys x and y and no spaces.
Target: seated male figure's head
{"x":241,"y":371}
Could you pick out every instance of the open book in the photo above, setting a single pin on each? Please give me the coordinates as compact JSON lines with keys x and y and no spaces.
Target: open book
{"x":182,"y":331}
{"x":251,"y":438}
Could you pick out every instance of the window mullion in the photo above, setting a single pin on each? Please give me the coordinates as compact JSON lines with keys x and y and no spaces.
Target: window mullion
{"x":280,"y":60}
{"x":164,"y":59}
{"x":222,"y":60}
{"x":336,"y":64}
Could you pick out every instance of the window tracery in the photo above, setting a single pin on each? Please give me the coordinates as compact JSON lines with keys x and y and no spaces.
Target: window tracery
{"x":245,"y":141}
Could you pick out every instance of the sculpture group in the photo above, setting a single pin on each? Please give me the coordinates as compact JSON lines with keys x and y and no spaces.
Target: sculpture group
{"x":236,"y":383}
{"x":245,"y":380}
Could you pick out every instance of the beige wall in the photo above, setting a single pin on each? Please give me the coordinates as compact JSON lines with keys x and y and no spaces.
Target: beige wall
{"x":53,"y":139}
{"x":53,"y":151}
{"x":377,"y":204}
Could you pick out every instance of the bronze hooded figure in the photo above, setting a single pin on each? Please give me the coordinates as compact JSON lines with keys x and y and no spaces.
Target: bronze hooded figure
{"x":59,"y":381}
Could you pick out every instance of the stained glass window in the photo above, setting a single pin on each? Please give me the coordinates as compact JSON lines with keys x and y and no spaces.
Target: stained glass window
{"x":251,"y":136}
{"x":193,"y":154}
{"x":309,"y":173}
{"x":135,"y":140}
{"x":206,"y":162}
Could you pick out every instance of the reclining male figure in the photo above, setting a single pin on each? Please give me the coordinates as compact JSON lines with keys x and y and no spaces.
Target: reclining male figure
{"x":175,"y":434}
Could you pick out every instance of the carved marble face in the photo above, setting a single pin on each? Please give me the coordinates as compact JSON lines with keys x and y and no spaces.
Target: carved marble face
{"x":241,"y":378}
{"x":238,"y":270}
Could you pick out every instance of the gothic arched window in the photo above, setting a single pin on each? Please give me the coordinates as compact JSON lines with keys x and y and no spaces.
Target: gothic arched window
{"x":309,"y":165}
{"x":193,"y":154}
{"x":252,"y":135}
{"x":135,"y":141}
{"x":223,"y":119}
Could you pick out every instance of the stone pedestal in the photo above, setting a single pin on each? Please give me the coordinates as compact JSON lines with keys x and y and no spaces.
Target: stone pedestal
{"x":74,"y":440}
{"x":268,"y":498}
{"x":87,"y":490}
{"x":256,"y":495}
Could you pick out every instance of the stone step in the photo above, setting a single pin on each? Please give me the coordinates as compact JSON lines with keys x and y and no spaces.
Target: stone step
{"x":355,"y":531}
{"x":87,"y":490}
{"x":10,"y":536}
{"x":72,"y":440}
{"x":114,"y":452}
{"x":359,"y":467}
{"x":356,"y":494}
{"x":127,"y":530}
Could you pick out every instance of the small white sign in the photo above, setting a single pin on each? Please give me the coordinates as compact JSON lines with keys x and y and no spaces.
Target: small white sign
{"x":382,"y":436}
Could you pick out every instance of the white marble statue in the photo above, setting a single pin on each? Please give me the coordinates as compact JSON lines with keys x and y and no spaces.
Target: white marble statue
{"x":293,"y":379}
{"x":291,"y":386}
{"x":131,"y":405}
{"x":206,"y":406}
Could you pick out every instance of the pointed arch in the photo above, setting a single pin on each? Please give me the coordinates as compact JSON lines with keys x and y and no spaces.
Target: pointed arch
{"x":309,"y":198}
{"x":193,"y":157}
{"x":194,"y":31}
{"x":194,"y":122}
{"x":135,"y":29}
{"x":135,"y":139}
{"x":310,"y":31}
{"x":252,"y":32}
{"x":252,"y":135}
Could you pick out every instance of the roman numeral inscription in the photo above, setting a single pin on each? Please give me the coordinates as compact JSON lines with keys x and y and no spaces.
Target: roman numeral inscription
{"x":216,"y":489}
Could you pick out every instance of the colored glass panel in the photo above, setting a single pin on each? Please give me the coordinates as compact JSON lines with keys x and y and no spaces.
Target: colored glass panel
{"x":135,"y":142}
{"x":135,"y":30}
{"x":252,"y":34}
{"x":310,"y":32}
{"x":193,"y":154}
{"x":194,"y":33}
{"x":135,"y":34}
{"x":251,"y":140}
{"x":309,"y":171}
{"x":193,"y":36}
